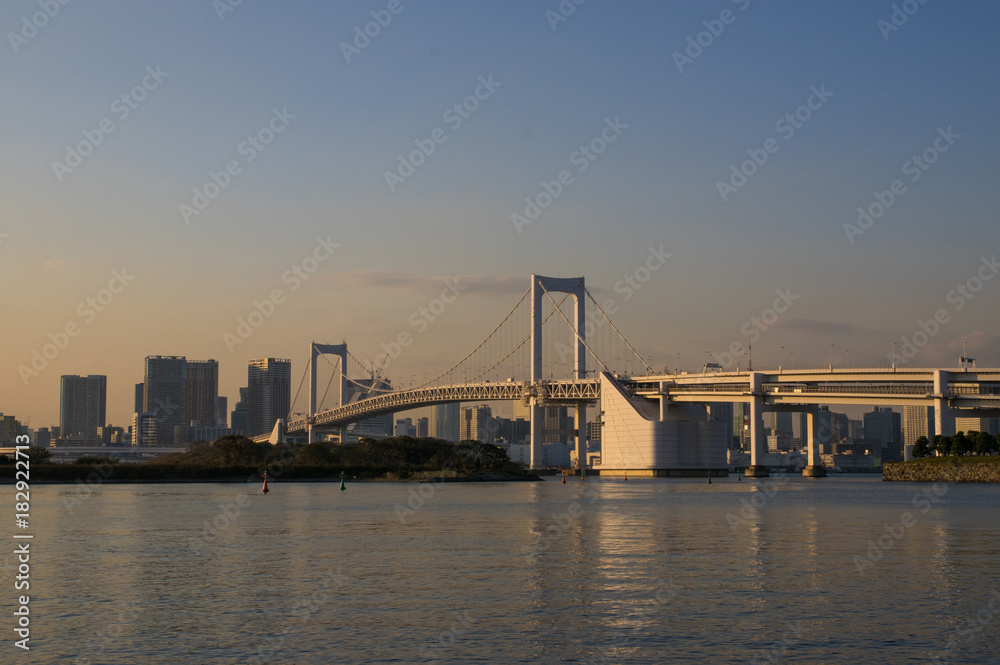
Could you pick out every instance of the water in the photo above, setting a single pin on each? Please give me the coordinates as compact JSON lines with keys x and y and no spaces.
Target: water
{"x":643,"y":571}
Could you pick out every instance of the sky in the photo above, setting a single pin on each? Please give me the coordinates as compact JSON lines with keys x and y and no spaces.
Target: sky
{"x":176,"y":163}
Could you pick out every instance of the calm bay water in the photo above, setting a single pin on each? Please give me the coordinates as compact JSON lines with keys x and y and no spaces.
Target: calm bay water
{"x":643,"y":571}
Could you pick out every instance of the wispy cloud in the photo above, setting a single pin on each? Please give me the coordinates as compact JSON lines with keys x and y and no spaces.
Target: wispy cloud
{"x":404,"y":283}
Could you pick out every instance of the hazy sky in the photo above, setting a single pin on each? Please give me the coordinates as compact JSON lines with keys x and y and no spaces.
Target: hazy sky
{"x":309,"y":117}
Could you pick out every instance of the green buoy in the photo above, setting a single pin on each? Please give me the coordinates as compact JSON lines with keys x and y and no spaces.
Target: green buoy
{"x":709,"y":477}
{"x":342,"y":488}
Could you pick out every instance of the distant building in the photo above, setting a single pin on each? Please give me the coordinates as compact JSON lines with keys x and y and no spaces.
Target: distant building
{"x":377,"y":426}
{"x":269,"y":385}
{"x":202,"y":391}
{"x":884,"y":432}
{"x":405,"y":427}
{"x":988,"y":425}
{"x":423,"y":428}
{"x":10,"y":428}
{"x":110,"y":436}
{"x":240,"y":422}
{"x":165,"y":395}
{"x":444,"y":421}
{"x":43,"y":437}
{"x":82,"y":405}
{"x":475,"y":424}
{"x":145,"y":430}
{"x":209,"y":434}
{"x":594,"y":431}
{"x":221,"y":410}
{"x":139,"y":391}
{"x":918,"y":421}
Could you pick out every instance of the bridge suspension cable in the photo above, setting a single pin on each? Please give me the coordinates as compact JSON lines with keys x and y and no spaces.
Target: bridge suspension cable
{"x":631,"y":348}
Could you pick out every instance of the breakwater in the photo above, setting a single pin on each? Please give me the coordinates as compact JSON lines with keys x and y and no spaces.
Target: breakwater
{"x":958,"y":472}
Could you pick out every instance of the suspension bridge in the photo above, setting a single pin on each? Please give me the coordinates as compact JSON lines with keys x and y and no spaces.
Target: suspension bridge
{"x":653,"y":423}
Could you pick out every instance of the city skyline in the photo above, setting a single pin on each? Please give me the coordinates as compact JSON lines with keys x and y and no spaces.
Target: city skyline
{"x":731,"y":174}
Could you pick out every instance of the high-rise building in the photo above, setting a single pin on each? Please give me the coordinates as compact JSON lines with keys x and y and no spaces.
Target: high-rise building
{"x":376,"y":426}
{"x":240,"y":422}
{"x":145,"y":431}
{"x":593,"y":431}
{"x":82,"y":405}
{"x":423,"y":428}
{"x":221,"y":411}
{"x":165,"y":396}
{"x":918,"y":421}
{"x":139,"y":391}
{"x":269,"y":385}
{"x":43,"y":437}
{"x":202,"y":391}
{"x":475,"y":424}
{"x":405,"y":427}
{"x":884,"y":433}
{"x":444,"y":421}
{"x":988,"y":425}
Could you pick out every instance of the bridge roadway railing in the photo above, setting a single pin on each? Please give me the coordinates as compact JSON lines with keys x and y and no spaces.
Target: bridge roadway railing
{"x":544,"y":391}
{"x":960,"y":390}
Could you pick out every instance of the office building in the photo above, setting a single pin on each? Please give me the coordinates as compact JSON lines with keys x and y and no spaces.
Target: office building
{"x":423,"y":427}
{"x":202,"y":391}
{"x":139,"y":391}
{"x":405,"y":427}
{"x":145,"y":431}
{"x":221,"y":411}
{"x":269,"y":385}
{"x":918,"y":421}
{"x":82,"y":405}
{"x":375,"y":427}
{"x":444,"y":421}
{"x":884,"y":434}
{"x":475,"y":424}
{"x":165,"y":396}
{"x":240,"y":422}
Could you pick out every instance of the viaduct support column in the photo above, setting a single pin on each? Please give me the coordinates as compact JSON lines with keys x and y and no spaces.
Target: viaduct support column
{"x":537,"y":411}
{"x":815,"y":469}
{"x":944,"y":415}
{"x":758,"y":443}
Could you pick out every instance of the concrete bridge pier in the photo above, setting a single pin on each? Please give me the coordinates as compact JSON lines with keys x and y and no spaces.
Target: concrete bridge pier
{"x":815,"y":468}
{"x":758,"y":443}
{"x":944,"y":415}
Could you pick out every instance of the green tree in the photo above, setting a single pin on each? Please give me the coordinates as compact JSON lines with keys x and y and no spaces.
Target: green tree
{"x":921,"y":448}
{"x":982,"y":443}
{"x":961,"y":444}
{"x":38,"y":455}
{"x":942,"y":445}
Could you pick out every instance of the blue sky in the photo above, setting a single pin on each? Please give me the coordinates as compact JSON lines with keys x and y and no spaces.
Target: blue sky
{"x":324,"y":176}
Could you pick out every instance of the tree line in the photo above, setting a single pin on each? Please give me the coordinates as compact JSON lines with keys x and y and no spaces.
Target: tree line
{"x":961,"y":444}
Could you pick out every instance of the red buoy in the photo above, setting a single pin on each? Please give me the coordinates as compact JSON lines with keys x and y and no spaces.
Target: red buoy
{"x":564,"y":479}
{"x":626,"y":476}
{"x":265,"y":490}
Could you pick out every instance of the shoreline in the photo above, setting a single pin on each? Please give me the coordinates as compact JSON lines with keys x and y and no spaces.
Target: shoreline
{"x":943,"y":470}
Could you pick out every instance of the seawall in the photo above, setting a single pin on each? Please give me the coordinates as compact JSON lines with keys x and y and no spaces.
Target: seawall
{"x":941,"y":473}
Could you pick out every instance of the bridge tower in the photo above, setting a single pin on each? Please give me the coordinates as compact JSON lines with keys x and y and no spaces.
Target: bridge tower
{"x":575,"y":287}
{"x":315,"y":351}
